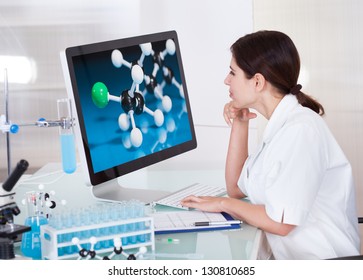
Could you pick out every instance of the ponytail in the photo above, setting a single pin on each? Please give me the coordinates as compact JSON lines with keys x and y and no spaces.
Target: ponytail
{"x":306,"y":100}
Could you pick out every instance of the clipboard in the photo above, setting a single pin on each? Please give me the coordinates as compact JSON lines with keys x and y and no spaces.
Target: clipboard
{"x":182,"y":221}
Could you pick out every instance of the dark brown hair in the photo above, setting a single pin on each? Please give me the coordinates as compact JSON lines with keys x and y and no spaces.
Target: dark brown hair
{"x":274,"y":55}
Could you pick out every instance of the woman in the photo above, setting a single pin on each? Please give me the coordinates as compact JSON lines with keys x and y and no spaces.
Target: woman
{"x":299,"y":182}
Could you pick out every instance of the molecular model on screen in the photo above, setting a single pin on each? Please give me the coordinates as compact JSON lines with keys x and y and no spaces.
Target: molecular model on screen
{"x":133,"y":100}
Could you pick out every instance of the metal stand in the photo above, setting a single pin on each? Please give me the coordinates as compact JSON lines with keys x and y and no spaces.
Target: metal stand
{"x":65,"y":122}
{"x":6,"y":93}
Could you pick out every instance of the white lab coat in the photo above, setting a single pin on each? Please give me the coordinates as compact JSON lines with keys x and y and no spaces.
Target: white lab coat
{"x":303,"y":178}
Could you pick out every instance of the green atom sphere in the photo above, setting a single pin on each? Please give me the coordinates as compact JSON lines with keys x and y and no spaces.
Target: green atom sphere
{"x":100,"y":95}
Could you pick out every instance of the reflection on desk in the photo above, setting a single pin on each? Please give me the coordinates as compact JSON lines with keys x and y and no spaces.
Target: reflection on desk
{"x":242,"y":243}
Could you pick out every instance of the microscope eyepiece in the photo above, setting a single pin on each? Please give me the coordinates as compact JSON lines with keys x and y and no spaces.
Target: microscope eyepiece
{"x":13,"y":178}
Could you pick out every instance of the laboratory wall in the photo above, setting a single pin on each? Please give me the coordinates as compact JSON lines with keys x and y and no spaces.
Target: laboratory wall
{"x":38,"y":30}
{"x":328,"y":34}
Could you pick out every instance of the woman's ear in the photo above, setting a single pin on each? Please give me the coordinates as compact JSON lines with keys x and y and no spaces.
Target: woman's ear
{"x":259,"y":81}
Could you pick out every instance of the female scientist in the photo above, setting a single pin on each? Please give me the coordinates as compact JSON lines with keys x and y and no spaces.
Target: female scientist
{"x":299,"y":182}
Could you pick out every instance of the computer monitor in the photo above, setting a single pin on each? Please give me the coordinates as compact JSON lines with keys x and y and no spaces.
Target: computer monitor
{"x":132,"y":109}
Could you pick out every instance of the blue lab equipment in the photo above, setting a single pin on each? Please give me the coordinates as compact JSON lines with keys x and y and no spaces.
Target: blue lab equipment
{"x":31,"y":243}
{"x":95,"y":228}
{"x":66,"y":136}
{"x":68,"y":153}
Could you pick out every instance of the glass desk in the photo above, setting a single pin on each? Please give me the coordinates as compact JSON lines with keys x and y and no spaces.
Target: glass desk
{"x":240,"y":243}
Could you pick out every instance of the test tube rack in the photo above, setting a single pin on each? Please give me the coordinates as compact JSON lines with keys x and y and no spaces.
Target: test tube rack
{"x":134,"y":233}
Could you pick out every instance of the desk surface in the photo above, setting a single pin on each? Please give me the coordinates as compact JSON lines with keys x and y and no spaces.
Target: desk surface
{"x":241,"y":243}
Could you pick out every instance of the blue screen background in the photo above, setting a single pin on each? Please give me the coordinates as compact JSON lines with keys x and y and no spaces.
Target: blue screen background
{"x":105,"y":140}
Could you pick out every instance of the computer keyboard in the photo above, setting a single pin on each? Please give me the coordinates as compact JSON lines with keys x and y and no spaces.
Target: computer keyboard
{"x":173,"y":200}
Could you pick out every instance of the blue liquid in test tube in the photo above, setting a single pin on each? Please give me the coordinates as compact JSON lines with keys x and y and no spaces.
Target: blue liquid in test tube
{"x":68,"y":153}
{"x":66,"y":135}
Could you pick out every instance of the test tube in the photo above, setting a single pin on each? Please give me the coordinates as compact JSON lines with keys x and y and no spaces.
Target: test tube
{"x":123,"y":216}
{"x":56,"y":222}
{"x":66,"y":135}
{"x":132,"y":207}
{"x":105,"y":231}
{"x":66,"y":217}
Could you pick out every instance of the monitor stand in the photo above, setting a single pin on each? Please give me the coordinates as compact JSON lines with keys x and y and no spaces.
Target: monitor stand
{"x":112,"y":191}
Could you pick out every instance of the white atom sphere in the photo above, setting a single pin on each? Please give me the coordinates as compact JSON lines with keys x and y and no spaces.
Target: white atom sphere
{"x":136,"y":137}
{"x":170,"y":46}
{"x":123,"y":122}
{"x":117,"y":242}
{"x":170,"y":125}
{"x":126,"y":141}
{"x":158,"y":118}
{"x":167,"y":104}
{"x":93,"y":240}
{"x":137,"y":74}
{"x":142,"y":250}
{"x":75,"y":240}
{"x":117,"y":58}
{"x":146,"y":48}
{"x":162,"y":135}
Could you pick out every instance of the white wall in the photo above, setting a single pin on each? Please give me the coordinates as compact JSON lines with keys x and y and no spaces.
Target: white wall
{"x":206,"y":29}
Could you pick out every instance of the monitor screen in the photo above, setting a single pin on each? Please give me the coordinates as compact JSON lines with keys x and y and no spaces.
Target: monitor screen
{"x":131,"y":102}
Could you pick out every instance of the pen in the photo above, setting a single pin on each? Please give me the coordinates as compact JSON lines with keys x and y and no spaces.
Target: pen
{"x":221,"y":223}
{"x":168,"y":240}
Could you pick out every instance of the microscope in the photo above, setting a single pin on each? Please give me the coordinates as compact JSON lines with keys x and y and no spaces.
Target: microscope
{"x":8,"y":208}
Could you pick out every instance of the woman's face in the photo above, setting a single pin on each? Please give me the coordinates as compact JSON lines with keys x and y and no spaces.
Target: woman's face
{"x":241,"y":89}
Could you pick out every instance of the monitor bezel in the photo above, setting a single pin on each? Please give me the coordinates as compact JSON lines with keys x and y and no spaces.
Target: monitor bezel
{"x":96,"y":178}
